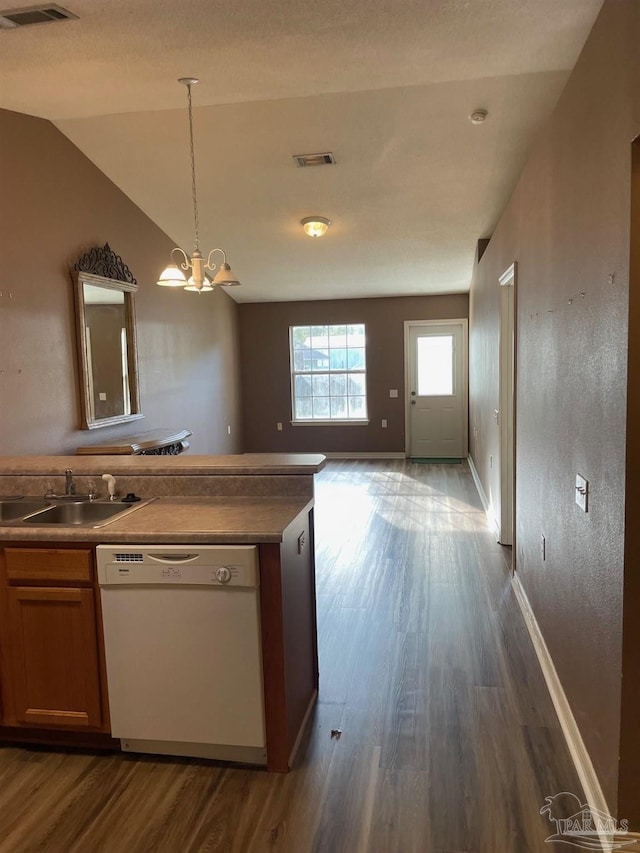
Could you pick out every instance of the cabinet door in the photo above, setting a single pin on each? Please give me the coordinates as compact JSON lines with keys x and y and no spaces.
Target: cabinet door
{"x":53,"y":655}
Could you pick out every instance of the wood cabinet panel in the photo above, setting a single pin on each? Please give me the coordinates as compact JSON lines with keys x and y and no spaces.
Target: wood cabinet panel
{"x":53,"y":656}
{"x":49,"y":565}
{"x":289,"y":644}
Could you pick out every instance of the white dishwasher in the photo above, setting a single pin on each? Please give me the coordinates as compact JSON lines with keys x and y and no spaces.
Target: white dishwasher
{"x":183,"y":649}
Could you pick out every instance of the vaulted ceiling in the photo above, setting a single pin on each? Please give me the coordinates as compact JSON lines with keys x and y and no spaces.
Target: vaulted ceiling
{"x":386,"y":85}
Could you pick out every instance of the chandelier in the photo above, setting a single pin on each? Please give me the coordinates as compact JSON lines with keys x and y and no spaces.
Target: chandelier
{"x":173,"y":275}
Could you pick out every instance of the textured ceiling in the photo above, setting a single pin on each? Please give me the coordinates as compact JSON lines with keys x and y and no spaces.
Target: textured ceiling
{"x":387,"y":86}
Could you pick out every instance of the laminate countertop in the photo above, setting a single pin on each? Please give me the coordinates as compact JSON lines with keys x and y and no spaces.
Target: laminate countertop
{"x":215,"y":520}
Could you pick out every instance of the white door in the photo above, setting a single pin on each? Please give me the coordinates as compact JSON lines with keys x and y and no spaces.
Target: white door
{"x":436,"y":368}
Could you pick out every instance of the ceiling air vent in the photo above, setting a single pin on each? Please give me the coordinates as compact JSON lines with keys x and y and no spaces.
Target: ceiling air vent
{"x":326,"y":159}
{"x":47,"y":14}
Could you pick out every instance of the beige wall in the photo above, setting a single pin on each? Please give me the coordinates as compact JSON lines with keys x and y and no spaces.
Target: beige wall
{"x":567,"y":226}
{"x":55,"y":205}
{"x":266,"y":388}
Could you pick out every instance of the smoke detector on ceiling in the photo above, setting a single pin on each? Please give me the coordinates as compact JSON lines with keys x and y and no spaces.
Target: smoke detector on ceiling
{"x":11,"y":19}
{"x":478,"y":116}
{"x":324,"y":159}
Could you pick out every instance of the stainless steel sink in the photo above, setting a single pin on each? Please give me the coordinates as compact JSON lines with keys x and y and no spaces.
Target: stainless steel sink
{"x":10,"y":510}
{"x":76,"y":513}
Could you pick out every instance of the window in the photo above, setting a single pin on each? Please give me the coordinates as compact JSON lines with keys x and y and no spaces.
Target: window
{"x":435,"y":366}
{"x":328,"y":373}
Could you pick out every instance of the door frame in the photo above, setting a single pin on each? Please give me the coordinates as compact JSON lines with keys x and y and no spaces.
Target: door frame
{"x":457,"y":321}
{"x":507,"y":408}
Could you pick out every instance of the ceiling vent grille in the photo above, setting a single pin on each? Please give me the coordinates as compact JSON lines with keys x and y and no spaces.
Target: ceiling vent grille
{"x":326,"y":159}
{"x":48,"y":14}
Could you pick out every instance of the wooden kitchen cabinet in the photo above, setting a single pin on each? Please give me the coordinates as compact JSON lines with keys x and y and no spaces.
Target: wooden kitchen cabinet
{"x":53,"y":685}
{"x":50,"y":666}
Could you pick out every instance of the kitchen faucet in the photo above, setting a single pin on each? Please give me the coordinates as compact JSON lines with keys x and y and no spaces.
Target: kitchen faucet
{"x":69,"y":485}
{"x":70,"y":490}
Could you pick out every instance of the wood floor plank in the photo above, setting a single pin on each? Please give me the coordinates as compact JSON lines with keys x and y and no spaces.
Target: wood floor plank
{"x":444,"y":737}
{"x":401,"y":816}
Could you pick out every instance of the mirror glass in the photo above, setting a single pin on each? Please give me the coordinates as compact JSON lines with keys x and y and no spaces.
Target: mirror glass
{"x":106,"y":349}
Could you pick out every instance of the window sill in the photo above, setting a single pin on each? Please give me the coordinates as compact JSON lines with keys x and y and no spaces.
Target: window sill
{"x":332,"y":422}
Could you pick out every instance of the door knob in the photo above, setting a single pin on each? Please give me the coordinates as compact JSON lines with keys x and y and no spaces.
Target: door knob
{"x":413,"y":402}
{"x":413,"y":393}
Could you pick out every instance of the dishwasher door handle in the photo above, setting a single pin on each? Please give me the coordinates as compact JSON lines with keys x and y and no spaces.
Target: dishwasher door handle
{"x":172,"y":558}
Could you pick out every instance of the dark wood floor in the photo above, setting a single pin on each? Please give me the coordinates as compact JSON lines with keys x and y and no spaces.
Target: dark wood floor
{"x":449,"y":740}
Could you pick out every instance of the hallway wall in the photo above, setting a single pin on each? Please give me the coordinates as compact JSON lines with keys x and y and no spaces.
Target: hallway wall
{"x":567,"y":226}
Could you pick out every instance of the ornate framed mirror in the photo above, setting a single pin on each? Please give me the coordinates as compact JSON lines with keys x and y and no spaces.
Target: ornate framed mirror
{"x":106,"y":337}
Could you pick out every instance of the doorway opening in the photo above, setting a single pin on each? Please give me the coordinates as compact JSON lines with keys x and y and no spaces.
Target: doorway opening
{"x":507,"y":413}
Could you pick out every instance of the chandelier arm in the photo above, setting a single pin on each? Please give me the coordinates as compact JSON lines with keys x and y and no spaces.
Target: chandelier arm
{"x":183,"y":263}
{"x":196,"y":221}
{"x":210,"y":266}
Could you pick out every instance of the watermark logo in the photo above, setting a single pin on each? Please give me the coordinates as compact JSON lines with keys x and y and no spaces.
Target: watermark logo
{"x":582,"y":826}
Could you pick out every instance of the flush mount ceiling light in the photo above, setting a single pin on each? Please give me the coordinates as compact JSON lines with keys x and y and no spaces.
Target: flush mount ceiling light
{"x":315,"y":226}
{"x":478,"y":116}
{"x":173,"y":276}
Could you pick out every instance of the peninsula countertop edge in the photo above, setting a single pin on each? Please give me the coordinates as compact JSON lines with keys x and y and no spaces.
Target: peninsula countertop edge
{"x":178,"y":520}
{"x":242,"y":464}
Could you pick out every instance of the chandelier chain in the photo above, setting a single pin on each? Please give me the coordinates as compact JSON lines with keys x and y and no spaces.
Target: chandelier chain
{"x":196,"y":221}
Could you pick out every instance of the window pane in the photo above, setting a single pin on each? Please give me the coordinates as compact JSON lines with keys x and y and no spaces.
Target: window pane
{"x":357,"y":407}
{"x":300,"y":336}
{"x":355,"y":359}
{"x":338,"y":407}
{"x":301,"y":359}
{"x":304,"y":408}
{"x":338,"y":384}
{"x":338,"y":359}
{"x":357,"y":385}
{"x":355,"y":335}
{"x":319,"y":359}
{"x":319,"y":337}
{"x":321,"y":408}
{"x":337,"y":335}
{"x":321,"y":385}
{"x":434,"y":366}
{"x":303,"y":386}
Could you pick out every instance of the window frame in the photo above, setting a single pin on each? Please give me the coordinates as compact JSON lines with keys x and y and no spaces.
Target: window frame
{"x":325,"y":371}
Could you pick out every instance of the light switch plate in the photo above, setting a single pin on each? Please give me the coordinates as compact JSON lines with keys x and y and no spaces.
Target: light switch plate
{"x":102,"y":395}
{"x":393,"y":392}
{"x":582,"y":492}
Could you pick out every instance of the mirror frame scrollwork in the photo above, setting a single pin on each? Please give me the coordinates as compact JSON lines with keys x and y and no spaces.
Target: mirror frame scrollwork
{"x":101,"y":267}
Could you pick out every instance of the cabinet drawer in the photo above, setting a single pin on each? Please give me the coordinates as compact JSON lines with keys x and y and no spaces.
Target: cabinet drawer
{"x":60,"y":566}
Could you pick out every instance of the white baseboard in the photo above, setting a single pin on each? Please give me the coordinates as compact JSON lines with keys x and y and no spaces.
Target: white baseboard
{"x":483,"y":496}
{"x":579,"y":754}
{"x":391,"y":454}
